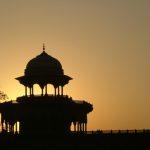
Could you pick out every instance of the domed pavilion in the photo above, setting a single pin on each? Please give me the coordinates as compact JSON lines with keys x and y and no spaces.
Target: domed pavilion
{"x":44,"y":113}
{"x":43,"y":70}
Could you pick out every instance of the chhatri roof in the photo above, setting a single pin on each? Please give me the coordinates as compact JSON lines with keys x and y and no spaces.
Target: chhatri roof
{"x":44,"y":69}
{"x":43,"y":64}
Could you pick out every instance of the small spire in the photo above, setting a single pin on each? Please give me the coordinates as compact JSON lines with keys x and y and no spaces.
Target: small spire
{"x":43,"y":47}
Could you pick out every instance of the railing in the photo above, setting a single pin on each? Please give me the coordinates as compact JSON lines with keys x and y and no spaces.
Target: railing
{"x":47,"y":95}
{"x":43,"y":97}
{"x":135,"y":131}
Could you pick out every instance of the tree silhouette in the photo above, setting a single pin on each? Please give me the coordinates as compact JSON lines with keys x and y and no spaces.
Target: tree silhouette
{"x":3,"y":96}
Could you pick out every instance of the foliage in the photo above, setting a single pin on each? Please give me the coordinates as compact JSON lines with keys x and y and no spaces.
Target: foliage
{"x":3,"y":96}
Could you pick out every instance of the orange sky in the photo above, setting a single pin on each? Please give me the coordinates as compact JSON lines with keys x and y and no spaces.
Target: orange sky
{"x":103,"y":45}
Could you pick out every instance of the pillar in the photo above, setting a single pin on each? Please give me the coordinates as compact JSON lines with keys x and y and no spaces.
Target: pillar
{"x":16,"y":128}
{"x":78,"y":126}
{"x":55,"y":90}
{"x":58,"y":90}
{"x":30,"y":91}
{"x":61,"y":90}
{"x":74,"y":123}
{"x":42,"y":91}
{"x":46,"y":89}
{"x":2,"y":123}
{"x":26,"y":91}
{"x":82,"y":127}
{"x":7,"y":126}
{"x":11,"y":128}
{"x":85,"y":127}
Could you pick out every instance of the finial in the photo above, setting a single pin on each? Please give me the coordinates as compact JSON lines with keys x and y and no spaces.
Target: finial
{"x":43,"y":47}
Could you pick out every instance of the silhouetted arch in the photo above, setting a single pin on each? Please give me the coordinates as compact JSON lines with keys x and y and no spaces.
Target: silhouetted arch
{"x":50,"y":89}
{"x":37,"y":89}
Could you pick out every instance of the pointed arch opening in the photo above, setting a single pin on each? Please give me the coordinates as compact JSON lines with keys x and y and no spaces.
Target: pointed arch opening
{"x":50,"y":89}
{"x":37,"y":89}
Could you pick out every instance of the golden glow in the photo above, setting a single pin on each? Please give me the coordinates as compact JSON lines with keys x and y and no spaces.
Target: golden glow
{"x":103,"y":45}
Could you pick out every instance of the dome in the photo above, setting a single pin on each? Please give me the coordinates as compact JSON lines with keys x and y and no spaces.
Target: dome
{"x":44,"y":65}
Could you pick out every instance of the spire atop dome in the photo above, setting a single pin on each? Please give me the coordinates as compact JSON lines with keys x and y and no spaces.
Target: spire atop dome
{"x":43,"y":47}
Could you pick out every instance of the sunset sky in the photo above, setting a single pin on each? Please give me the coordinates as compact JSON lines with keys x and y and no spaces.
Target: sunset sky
{"x":104,"y":45}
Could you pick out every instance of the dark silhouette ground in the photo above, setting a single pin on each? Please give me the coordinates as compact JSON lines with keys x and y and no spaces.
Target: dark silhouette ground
{"x":140,"y":141}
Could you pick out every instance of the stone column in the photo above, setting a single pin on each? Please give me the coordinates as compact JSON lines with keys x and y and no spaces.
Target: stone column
{"x":62,"y":90}
{"x":82,"y":126}
{"x":42,"y":91}
{"x":46,"y":89}
{"x":55,"y":90}
{"x":78,"y":126}
{"x":16,"y":127}
{"x":7,"y":126}
{"x":26,"y":91}
{"x":2,"y":123}
{"x":74,"y":123}
{"x":32,"y":90}
{"x":85,"y":127}
{"x":58,"y":90}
